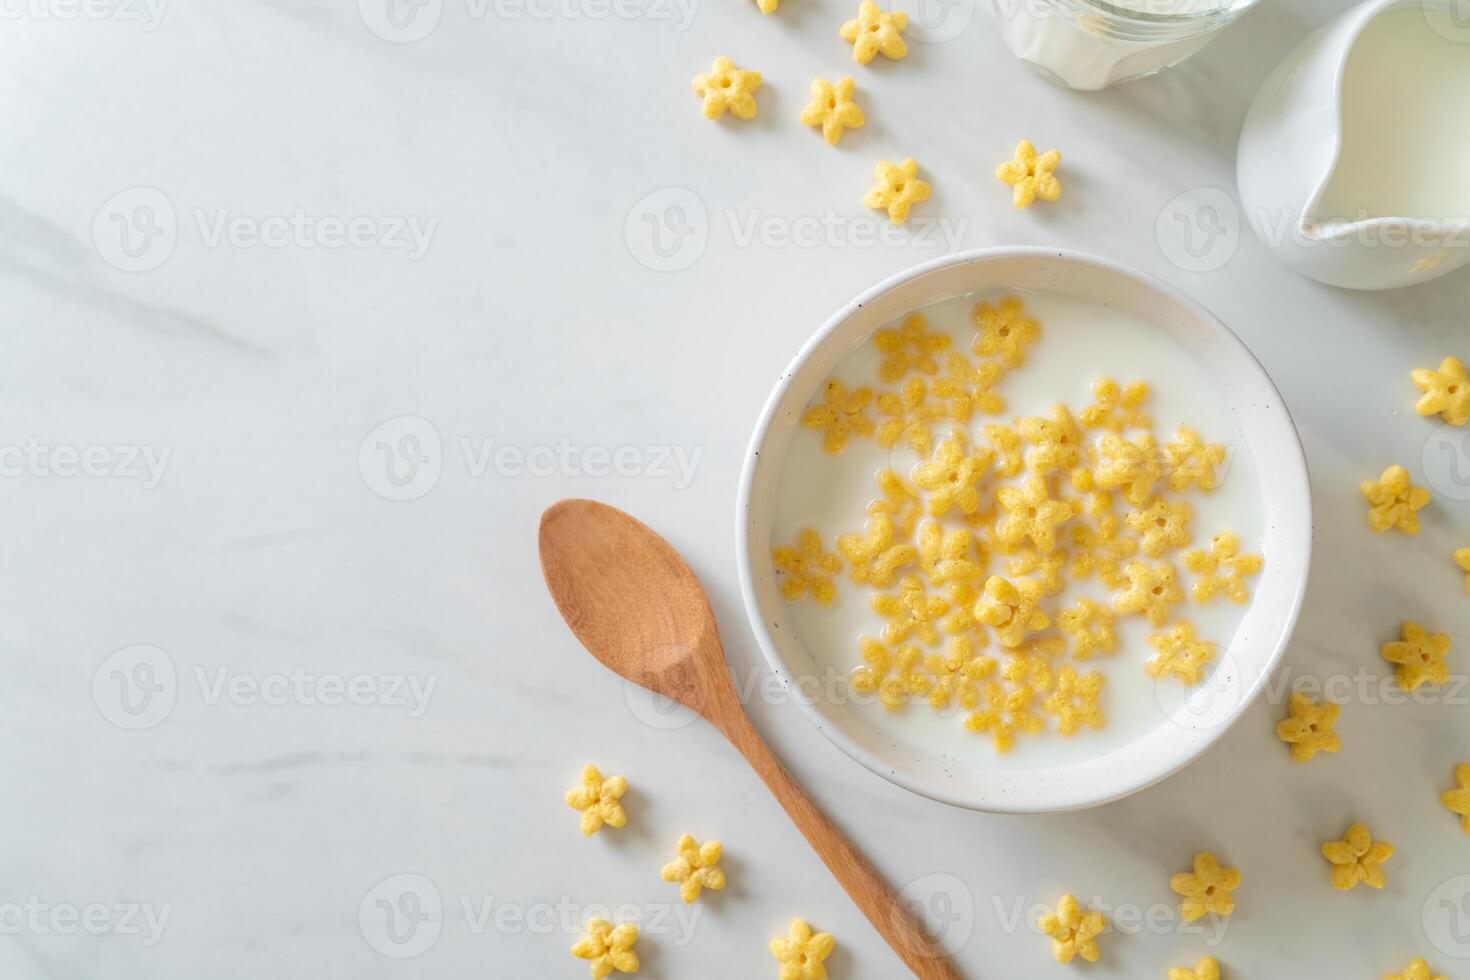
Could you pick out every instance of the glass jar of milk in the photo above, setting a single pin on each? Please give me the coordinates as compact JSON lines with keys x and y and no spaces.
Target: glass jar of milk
{"x":1090,"y":44}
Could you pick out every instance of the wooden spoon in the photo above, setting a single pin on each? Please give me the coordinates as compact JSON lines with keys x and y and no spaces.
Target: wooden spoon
{"x":638,"y":608}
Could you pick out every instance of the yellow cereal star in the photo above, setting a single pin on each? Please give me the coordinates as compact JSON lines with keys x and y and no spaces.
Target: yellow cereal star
{"x":1192,"y":461}
{"x":768,"y":6}
{"x":1180,"y":653}
{"x":1055,"y":442}
{"x":1006,"y":713}
{"x":806,"y":568}
{"x":1357,"y":857}
{"x":1101,"y":549}
{"x":832,"y":107}
{"x":1031,"y":513}
{"x":1418,"y":969}
{"x":873,"y":556}
{"x":1207,"y":889}
{"x":1462,"y":558}
{"x":952,"y":473}
{"x":727,"y":87}
{"x":910,"y":612}
{"x":1308,"y":728}
{"x":1222,"y":569}
{"x":967,"y":387}
{"x":875,"y":31}
{"x":1011,"y":609}
{"x":1419,"y":656}
{"x":697,"y":867}
{"x":598,"y":798}
{"x":1005,"y":331}
{"x":840,"y":415}
{"x":1393,"y":501}
{"x":1073,"y":932}
{"x":1091,"y":625}
{"x":948,"y":556}
{"x":912,"y":347}
{"x":958,"y":674}
{"x":1031,"y":176}
{"x":1046,"y":569}
{"x":1457,"y":800}
{"x":894,"y":677}
{"x":1132,"y":464}
{"x":1446,"y":391}
{"x":1151,"y":591}
{"x":1075,"y":700}
{"x":608,"y":948}
{"x":898,"y":502}
{"x":1007,"y":443}
{"x":1116,"y":407}
{"x":802,"y":953}
{"x":907,"y":414}
{"x":898,"y":189}
{"x":1161,"y":525}
{"x":1206,"y":969}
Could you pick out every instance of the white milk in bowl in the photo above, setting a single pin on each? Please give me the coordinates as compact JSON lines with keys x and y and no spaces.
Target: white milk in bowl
{"x":1005,"y":582}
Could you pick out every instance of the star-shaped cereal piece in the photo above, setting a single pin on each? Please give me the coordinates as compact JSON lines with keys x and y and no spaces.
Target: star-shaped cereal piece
{"x":1006,"y":713}
{"x":1031,"y":176}
{"x":768,"y":6}
{"x":598,"y":799}
{"x":1308,"y":727}
{"x":958,"y":673}
{"x":1457,"y":800}
{"x":832,"y":108}
{"x":1101,"y":548}
{"x":1192,"y":461}
{"x":840,"y":415}
{"x":907,"y":414}
{"x":898,"y":189}
{"x":898,"y":502}
{"x":1206,"y":969}
{"x":1207,"y":889}
{"x":912,"y":347}
{"x":1357,"y":857}
{"x":1045,"y":568}
{"x":1007,"y":443}
{"x":1151,"y":591}
{"x":608,"y":948}
{"x":1462,"y":558}
{"x":948,"y":556}
{"x":875,"y":31}
{"x":1180,"y":653}
{"x":1030,"y":512}
{"x":1091,"y":625}
{"x":967,"y":387}
{"x":1074,"y":702}
{"x":803,"y":952}
{"x":1132,"y":464}
{"x":873,"y":556}
{"x":1221,"y":569}
{"x":951,"y":475}
{"x":726,"y":87}
{"x":1419,"y":656}
{"x":1418,"y":969}
{"x":910,"y":612}
{"x":1117,"y":406}
{"x":806,"y":568}
{"x":1394,"y":501}
{"x":1161,"y":525}
{"x":892,"y":676}
{"x":1073,"y":932}
{"x":1055,"y":442}
{"x":696,"y":868}
{"x":1004,"y":330}
{"x":1446,"y":391}
{"x":1011,"y":609}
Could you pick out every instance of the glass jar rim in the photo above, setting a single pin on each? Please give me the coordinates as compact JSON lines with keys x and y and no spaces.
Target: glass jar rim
{"x":1207,"y":17}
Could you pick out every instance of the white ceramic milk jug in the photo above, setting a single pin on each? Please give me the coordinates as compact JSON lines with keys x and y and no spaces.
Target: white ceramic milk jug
{"x":1354,"y":163}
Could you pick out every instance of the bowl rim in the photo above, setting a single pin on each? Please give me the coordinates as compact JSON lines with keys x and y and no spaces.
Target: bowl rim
{"x":770,"y":649}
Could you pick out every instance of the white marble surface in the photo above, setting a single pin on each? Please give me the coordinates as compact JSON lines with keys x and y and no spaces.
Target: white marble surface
{"x":519,"y":141}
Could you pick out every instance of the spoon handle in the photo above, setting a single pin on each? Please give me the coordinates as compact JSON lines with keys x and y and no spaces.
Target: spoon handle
{"x":880,"y":903}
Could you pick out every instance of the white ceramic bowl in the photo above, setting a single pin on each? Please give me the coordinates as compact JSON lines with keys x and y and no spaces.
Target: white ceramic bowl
{"x":1188,"y":723}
